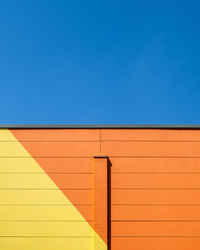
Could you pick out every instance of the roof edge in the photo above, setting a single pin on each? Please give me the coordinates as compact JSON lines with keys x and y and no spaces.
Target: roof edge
{"x":98,"y":126}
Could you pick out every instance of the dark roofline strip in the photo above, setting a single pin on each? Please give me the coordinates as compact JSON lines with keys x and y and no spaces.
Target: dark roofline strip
{"x":107,"y":126}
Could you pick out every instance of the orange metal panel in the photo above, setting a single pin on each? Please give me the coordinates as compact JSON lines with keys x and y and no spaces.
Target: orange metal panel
{"x":127,"y":180}
{"x":129,"y":228}
{"x":80,"y":196}
{"x":153,"y":149}
{"x":156,"y":243}
{"x":155,"y":213}
{"x":157,"y":165}
{"x":157,"y":197}
{"x":150,"y":134}
{"x":72,"y":180}
{"x":56,"y":134}
{"x":66,"y":165}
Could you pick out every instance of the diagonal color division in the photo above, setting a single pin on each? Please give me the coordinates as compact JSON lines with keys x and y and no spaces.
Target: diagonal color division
{"x":34,"y":212}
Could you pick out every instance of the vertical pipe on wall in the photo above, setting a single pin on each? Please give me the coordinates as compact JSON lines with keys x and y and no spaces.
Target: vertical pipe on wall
{"x":101,"y":197}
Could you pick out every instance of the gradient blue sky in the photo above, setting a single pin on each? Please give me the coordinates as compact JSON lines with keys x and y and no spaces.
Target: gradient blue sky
{"x":105,"y":62}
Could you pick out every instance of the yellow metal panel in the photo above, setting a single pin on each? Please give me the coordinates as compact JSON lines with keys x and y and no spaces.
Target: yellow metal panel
{"x":25,"y":181}
{"x":8,"y":212}
{"x":18,"y":165}
{"x":12,"y":149}
{"x":45,"y":228}
{"x":46,"y":243}
{"x":14,"y":196}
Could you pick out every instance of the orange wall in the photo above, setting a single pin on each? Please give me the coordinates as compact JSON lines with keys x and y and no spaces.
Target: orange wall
{"x":155,"y":188}
{"x":155,"y":180}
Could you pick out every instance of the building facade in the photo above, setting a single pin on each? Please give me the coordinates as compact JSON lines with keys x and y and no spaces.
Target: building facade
{"x":98,"y":188}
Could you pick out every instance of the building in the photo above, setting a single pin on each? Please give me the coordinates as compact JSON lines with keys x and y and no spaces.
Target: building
{"x":100,"y":187}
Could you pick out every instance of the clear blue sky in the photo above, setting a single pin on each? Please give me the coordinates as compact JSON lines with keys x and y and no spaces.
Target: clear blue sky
{"x":105,"y":62}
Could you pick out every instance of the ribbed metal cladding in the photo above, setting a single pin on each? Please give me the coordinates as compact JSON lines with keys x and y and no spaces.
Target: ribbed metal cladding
{"x":53,"y":195}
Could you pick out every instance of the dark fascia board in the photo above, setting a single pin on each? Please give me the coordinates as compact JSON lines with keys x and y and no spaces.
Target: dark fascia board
{"x":104,"y":126}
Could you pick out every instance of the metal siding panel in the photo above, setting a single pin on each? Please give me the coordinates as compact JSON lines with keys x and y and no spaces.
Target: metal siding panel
{"x":156,"y":243}
{"x":155,"y":229}
{"x":56,"y":134}
{"x":155,"y":165}
{"x":155,"y":213}
{"x":152,"y":196}
{"x":151,"y":149}
{"x":149,"y":135}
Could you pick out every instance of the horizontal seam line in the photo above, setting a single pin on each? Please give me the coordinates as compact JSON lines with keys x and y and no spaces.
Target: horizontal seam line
{"x":19,"y":236}
{"x":181,"y":221}
{"x":30,"y":157}
{"x":183,"y":189}
{"x":164,"y":173}
{"x":156,"y":236}
{"x":78,"y":141}
{"x":153,"y":157}
{"x":115,"y":173}
{"x":44,"y":157}
{"x":46,"y":141}
{"x":92,"y":189}
{"x":91,"y":205}
{"x":89,"y":156}
{"x":57,"y":173}
{"x":155,"y":204}
{"x":56,"y":205}
{"x":46,"y":189}
{"x":46,"y":221}
{"x":132,"y":140}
